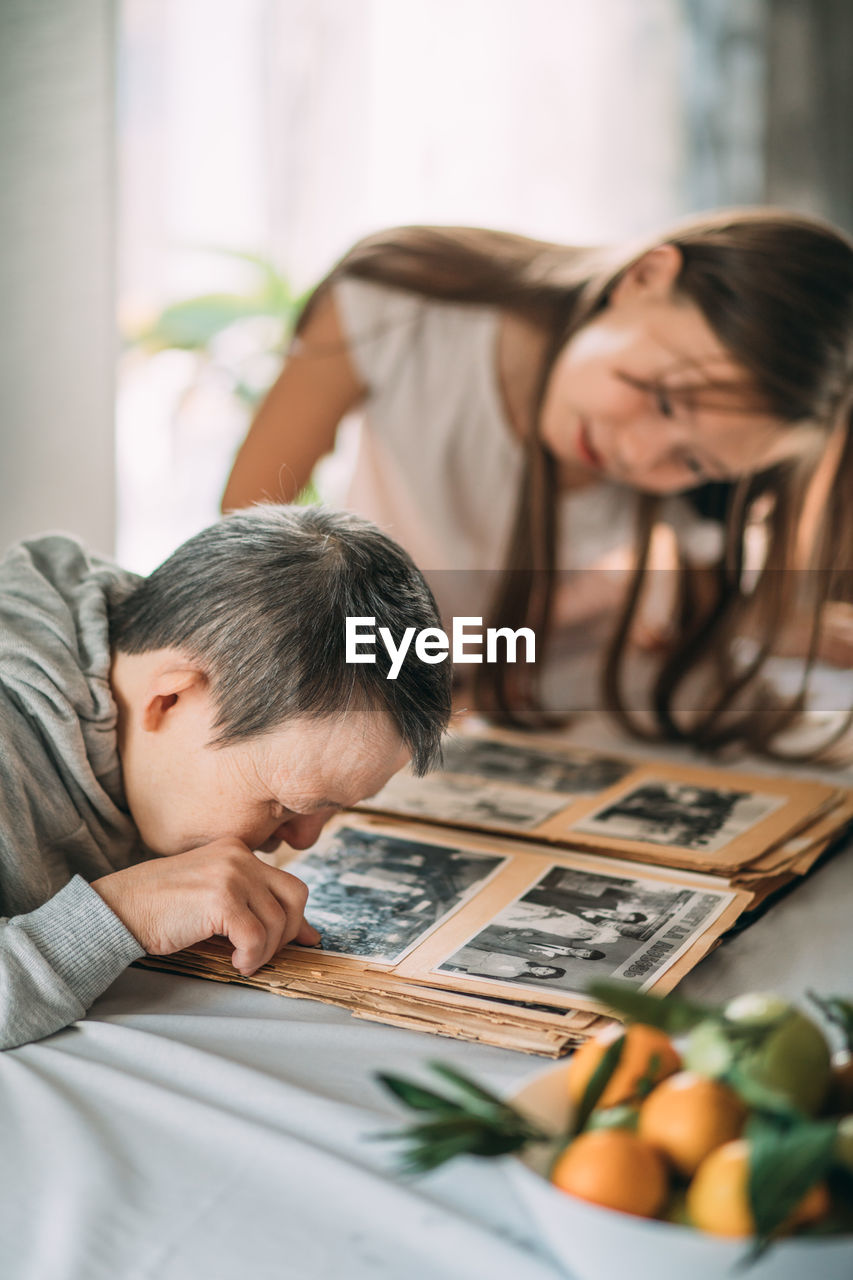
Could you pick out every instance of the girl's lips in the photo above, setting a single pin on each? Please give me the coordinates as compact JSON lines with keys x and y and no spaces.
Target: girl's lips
{"x":585,"y":448}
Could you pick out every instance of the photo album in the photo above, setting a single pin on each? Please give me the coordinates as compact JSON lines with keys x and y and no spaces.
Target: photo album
{"x":481,"y":900}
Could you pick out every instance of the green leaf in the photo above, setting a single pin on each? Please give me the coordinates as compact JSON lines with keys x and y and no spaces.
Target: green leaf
{"x":194,"y":322}
{"x":622,"y":1116}
{"x":648,"y":1081}
{"x":417,"y":1097}
{"x":475,"y":1122}
{"x":758,"y":1097}
{"x":783,"y":1165}
{"x":598,"y":1081}
{"x":760,"y":1123}
{"x":670,"y":1013}
{"x":272,"y":276}
{"x":435,"y":1141}
{"x":468,"y":1088}
{"x":839,"y":1012}
{"x":445,"y":1142}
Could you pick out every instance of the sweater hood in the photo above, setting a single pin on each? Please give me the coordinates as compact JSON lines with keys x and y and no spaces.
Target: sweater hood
{"x":55,"y":664}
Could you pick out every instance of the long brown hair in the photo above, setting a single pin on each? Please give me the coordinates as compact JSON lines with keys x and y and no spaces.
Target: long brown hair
{"x":777,"y":289}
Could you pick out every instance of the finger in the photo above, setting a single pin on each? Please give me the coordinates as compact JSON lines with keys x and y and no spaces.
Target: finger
{"x":279,"y":922}
{"x":308,"y":936}
{"x":251,"y":940}
{"x":292,"y":894}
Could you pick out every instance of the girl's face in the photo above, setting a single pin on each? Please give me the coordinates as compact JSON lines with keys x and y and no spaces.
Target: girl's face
{"x":612,"y":406}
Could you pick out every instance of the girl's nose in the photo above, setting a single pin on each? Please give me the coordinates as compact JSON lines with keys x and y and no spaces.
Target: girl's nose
{"x":643,"y":445}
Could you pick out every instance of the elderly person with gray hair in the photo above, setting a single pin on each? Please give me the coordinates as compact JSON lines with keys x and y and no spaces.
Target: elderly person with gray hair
{"x":154,"y":732}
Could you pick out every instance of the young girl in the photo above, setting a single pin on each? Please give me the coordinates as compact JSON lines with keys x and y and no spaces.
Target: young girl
{"x":528,"y":407}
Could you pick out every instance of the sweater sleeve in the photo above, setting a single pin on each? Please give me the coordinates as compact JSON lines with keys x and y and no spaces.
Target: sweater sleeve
{"x":55,"y":961}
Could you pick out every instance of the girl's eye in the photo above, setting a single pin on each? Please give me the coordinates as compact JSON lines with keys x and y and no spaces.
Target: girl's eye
{"x":664,"y":403}
{"x":694,"y":466}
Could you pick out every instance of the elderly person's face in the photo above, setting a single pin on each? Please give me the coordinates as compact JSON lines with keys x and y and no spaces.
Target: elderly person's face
{"x":281,"y":786}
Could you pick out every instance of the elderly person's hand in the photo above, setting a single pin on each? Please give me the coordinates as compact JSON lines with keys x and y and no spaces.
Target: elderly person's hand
{"x":221,"y":888}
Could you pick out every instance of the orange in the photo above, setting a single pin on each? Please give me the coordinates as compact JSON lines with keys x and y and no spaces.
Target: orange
{"x":688,"y":1116}
{"x":718,"y":1199}
{"x":615,"y":1168}
{"x":814,"y":1205}
{"x":642,"y":1045}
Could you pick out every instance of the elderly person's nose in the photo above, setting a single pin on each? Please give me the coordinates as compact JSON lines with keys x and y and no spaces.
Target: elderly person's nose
{"x":301,"y":831}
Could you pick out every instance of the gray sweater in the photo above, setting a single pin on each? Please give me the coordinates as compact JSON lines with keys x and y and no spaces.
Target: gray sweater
{"x":63,"y":816}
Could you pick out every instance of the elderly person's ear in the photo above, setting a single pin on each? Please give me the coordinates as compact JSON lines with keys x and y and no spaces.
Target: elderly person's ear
{"x":167,"y":688}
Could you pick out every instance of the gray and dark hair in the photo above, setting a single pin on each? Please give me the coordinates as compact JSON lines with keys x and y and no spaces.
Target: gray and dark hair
{"x":259,"y":601}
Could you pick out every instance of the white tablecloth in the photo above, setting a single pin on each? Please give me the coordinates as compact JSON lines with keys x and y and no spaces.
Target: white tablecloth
{"x":189,"y":1129}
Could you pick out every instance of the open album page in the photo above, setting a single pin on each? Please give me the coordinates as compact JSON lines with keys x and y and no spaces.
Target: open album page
{"x":501,"y":919}
{"x":685,"y":816}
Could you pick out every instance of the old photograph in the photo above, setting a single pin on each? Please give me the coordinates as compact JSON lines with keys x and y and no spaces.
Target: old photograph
{"x":680,"y":814}
{"x":575,"y":925}
{"x":376,"y":896}
{"x":498,"y":761}
{"x":445,"y":797}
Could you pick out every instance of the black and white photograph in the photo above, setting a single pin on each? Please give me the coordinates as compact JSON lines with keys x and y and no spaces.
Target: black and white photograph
{"x":451,"y":798}
{"x":498,"y":761}
{"x":376,"y":896}
{"x":575,"y":925}
{"x":678,"y":814}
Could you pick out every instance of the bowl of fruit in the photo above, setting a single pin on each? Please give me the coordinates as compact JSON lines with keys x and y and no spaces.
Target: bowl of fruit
{"x":690,"y":1142}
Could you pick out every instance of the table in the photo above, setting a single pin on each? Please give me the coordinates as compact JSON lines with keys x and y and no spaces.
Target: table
{"x":187,"y":1129}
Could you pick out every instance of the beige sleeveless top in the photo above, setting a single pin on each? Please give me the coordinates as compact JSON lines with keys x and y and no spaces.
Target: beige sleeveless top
{"x":432,"y":457}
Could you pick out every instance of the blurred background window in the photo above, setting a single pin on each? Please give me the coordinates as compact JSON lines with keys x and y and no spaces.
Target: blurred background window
{"x":290,"y":128}
{"x":206,"y":161}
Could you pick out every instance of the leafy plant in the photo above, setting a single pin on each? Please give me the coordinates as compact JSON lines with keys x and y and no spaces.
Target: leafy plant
{"x":194,"y":324}
{"x":228,"y":337}
{"x":466,"y":1120}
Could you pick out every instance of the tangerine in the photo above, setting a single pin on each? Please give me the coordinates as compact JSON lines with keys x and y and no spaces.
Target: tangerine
{"x":688,"y":1116}
{"x":647,"y":1054}
{"x":814,"y":1205}
{"x":718,"y":1196}
{"x":614,"y":1168}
